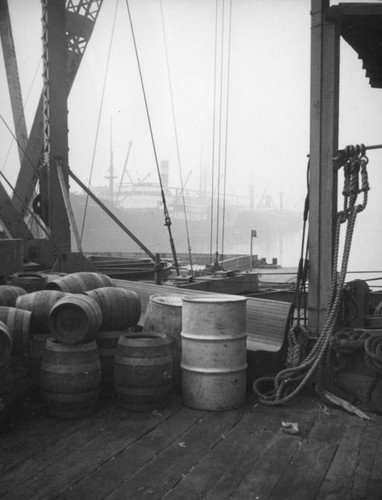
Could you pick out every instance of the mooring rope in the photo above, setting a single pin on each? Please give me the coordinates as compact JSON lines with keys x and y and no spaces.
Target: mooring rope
{"x":290,"y":381}
{"x":373,"y":358}
{"x":343,"y":347}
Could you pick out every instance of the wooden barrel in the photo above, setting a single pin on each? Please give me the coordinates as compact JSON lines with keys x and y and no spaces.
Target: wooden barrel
{"x":120,"y":308}
{"x":19,"y":326}
{"x":214,"y":352}
{"x":31,"y":282}
{"x":9,"y":295}
{"x":7,"y":395}
{"x":142,"y":371}
{"x":107,"y":341}
{"x":18,"y":369}
{"x":75,"y":319}
{"x":5,"y":344}
{"x":70,"y":378}
{"x":164,"y":316}
{"x":40,"y":304}
{"x":52,"y":275}
{"x":80,"y":282}
{"x":36,"y":350}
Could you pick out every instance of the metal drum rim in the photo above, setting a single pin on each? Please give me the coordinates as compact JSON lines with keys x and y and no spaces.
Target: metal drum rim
{"x":142,"y":339}
{"x":214,"y":299}
{"x":156,"y":299}
{"x":52,"y":344}
{"x":216,"y":338}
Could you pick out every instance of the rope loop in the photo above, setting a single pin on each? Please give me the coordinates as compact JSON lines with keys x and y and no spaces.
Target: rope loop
{"x":298,"y":336}
{"x":373,"y":353}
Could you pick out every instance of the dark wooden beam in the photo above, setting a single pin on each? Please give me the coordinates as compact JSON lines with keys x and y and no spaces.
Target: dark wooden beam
{"x":323,"y":146}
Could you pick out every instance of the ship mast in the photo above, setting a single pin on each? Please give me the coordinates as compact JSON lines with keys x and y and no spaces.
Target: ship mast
{"x":111,"y":175}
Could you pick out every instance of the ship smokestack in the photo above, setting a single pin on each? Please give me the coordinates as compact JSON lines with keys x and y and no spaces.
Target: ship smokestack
{"x":164,"y":168}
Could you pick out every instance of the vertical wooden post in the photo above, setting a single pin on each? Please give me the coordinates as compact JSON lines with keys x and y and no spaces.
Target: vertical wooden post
{"x":324,"y":106}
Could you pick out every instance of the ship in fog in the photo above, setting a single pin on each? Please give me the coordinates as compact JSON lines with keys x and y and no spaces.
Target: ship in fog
{"x":196,"y":224}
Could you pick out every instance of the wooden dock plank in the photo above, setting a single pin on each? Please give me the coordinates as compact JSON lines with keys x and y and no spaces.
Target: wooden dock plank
{"x":167,"y":468}
{"x":275,"y":470}
{"x":179,"y":453}
{"x":56,"y":446}
{"x":338,"y":481}
{"x":68,"y":462}
{"x":119,"y":468}
{"x":368,"y":453}
{"x":221,"y":471}
{"x":374,"y":486}
{"x":305,"y":472}
{"x":45,"y":433}
{"x":268,"y":467}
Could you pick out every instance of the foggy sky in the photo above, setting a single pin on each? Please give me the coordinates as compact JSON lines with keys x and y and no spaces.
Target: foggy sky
{"x":268,"y":113}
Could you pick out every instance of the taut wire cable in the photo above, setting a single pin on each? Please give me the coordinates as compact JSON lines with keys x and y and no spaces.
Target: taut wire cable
{"x":99,"y":118}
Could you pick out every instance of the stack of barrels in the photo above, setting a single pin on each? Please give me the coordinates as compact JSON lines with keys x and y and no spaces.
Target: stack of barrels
{"x":66,"y":327}
{"x":14,"y":337}
{"x":70,"y":374}
{"x":80,"y":338}
{"x":121,"y":310}
{"x":86,"y":325}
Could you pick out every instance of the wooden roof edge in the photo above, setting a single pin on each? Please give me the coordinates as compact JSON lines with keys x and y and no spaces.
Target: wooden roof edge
{"x":337,"y":12}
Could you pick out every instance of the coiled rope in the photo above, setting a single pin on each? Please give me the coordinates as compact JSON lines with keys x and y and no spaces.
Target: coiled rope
{"x":290,"y":381}
{"x":343,"y":347}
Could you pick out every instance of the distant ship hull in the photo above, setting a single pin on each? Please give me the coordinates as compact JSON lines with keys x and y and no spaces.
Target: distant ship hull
{"x":275,"y":230}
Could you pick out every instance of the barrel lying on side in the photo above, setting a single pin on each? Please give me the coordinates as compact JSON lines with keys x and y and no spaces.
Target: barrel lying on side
{"x":18,"y":322}
{"x":70,"y":378}
{"x":5,"y":344}
{"x":80,"y":282}
{"x":9,"y":295}
{"x":75,"y":319}
{"x":142,"y":371}
{"x":31,"y":282}
{"x":120,"y":308}
{"x":40,"y":304}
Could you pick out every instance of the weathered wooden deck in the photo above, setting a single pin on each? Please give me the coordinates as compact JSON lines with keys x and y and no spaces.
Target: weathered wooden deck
{"x":180,"y":453}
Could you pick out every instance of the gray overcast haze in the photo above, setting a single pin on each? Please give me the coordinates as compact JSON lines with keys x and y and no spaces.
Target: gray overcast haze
{"x":268,"y":107}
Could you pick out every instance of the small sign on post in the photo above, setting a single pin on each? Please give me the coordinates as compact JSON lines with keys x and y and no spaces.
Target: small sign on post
{"x":253,"y":235}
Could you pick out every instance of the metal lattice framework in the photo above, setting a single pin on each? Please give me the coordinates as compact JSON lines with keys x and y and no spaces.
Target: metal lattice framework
{"x":80,"y":17}
{"x":80,"y":20}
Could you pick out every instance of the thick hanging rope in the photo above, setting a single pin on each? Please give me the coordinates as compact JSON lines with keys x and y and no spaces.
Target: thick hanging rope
{"x":167,"y":219}
{"x":344,"y":345}
{"x":290,"y":381}
{"x":298,"y":334}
